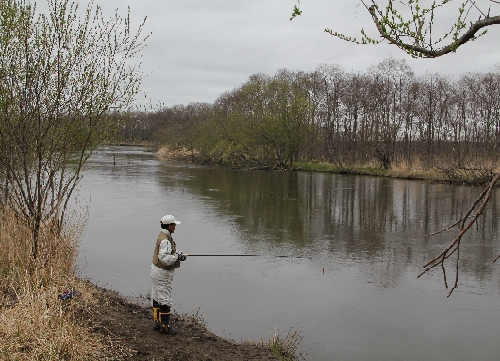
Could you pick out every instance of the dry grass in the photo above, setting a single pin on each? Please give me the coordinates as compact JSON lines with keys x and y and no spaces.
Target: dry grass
{"x":34,"y":323}
{"x":286,"y":348}
{"x":170,"y":153}
{"x":415,"y":173}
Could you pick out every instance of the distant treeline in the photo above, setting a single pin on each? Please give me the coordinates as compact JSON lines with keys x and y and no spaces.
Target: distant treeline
{"x":387,"y":116}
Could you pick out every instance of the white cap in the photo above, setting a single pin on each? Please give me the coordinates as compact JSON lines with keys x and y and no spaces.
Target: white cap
{"x":169,"y":219}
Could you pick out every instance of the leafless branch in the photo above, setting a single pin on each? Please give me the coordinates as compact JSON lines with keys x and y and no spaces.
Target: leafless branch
{"x":454,"y":246}
{"x":446,"y":229}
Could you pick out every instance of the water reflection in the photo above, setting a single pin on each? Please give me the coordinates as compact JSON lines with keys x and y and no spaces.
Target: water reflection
{"x":384,"y":222}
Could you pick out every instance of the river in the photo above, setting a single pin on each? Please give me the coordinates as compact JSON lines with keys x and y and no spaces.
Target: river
{"x":356,"y":245}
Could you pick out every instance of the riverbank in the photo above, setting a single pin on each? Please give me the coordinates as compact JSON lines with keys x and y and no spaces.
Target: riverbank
{"x":127,"y":328}
{"x":478,"y":176}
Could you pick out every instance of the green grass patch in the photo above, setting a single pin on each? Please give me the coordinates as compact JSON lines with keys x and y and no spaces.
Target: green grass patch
{"x":287,"y":348}
{"x":327,"y":167}
{"x":196,"y":316}
{"x":315,"y":166}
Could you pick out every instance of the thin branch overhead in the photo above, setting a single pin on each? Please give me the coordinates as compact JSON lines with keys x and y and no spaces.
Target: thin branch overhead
{"x":470,"y":34}
{"x":412,"y":27}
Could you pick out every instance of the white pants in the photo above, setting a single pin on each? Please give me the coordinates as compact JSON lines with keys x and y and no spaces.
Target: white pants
{"x":162,"y":285}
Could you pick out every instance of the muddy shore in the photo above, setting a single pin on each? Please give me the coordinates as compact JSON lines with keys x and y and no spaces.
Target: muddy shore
{"x":127,"y":327}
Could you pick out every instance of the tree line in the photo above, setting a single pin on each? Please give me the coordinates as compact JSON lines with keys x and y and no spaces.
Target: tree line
{"x":386,"y":117}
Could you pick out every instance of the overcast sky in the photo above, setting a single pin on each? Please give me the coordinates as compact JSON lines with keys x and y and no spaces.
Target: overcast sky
{"x":201,"y":48}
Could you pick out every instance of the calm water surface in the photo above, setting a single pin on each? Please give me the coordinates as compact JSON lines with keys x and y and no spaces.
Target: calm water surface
{"x":354,"y":294}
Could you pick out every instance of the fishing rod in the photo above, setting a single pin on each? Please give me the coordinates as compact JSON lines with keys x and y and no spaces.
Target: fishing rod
{"x":224,"y":255}
{"x":238,"y":255}
{"x":245,"y":255}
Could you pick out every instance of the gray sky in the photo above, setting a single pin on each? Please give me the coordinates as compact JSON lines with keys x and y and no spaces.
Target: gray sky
{"x":199,"y":49}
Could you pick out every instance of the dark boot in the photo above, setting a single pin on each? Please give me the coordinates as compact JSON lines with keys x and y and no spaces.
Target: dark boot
{"x":156,"y":316}
{"x":165,"y":320}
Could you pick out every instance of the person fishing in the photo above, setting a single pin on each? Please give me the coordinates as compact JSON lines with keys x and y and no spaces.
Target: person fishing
{"x":165,"y":260}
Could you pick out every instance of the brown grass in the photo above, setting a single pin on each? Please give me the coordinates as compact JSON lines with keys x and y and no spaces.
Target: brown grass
{"x":170,"y":153}
{"x":34,"y":323}
{"x":402,"y":171}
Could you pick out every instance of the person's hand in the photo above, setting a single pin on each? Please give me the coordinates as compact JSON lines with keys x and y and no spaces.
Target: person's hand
{"x":181,"y":256}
